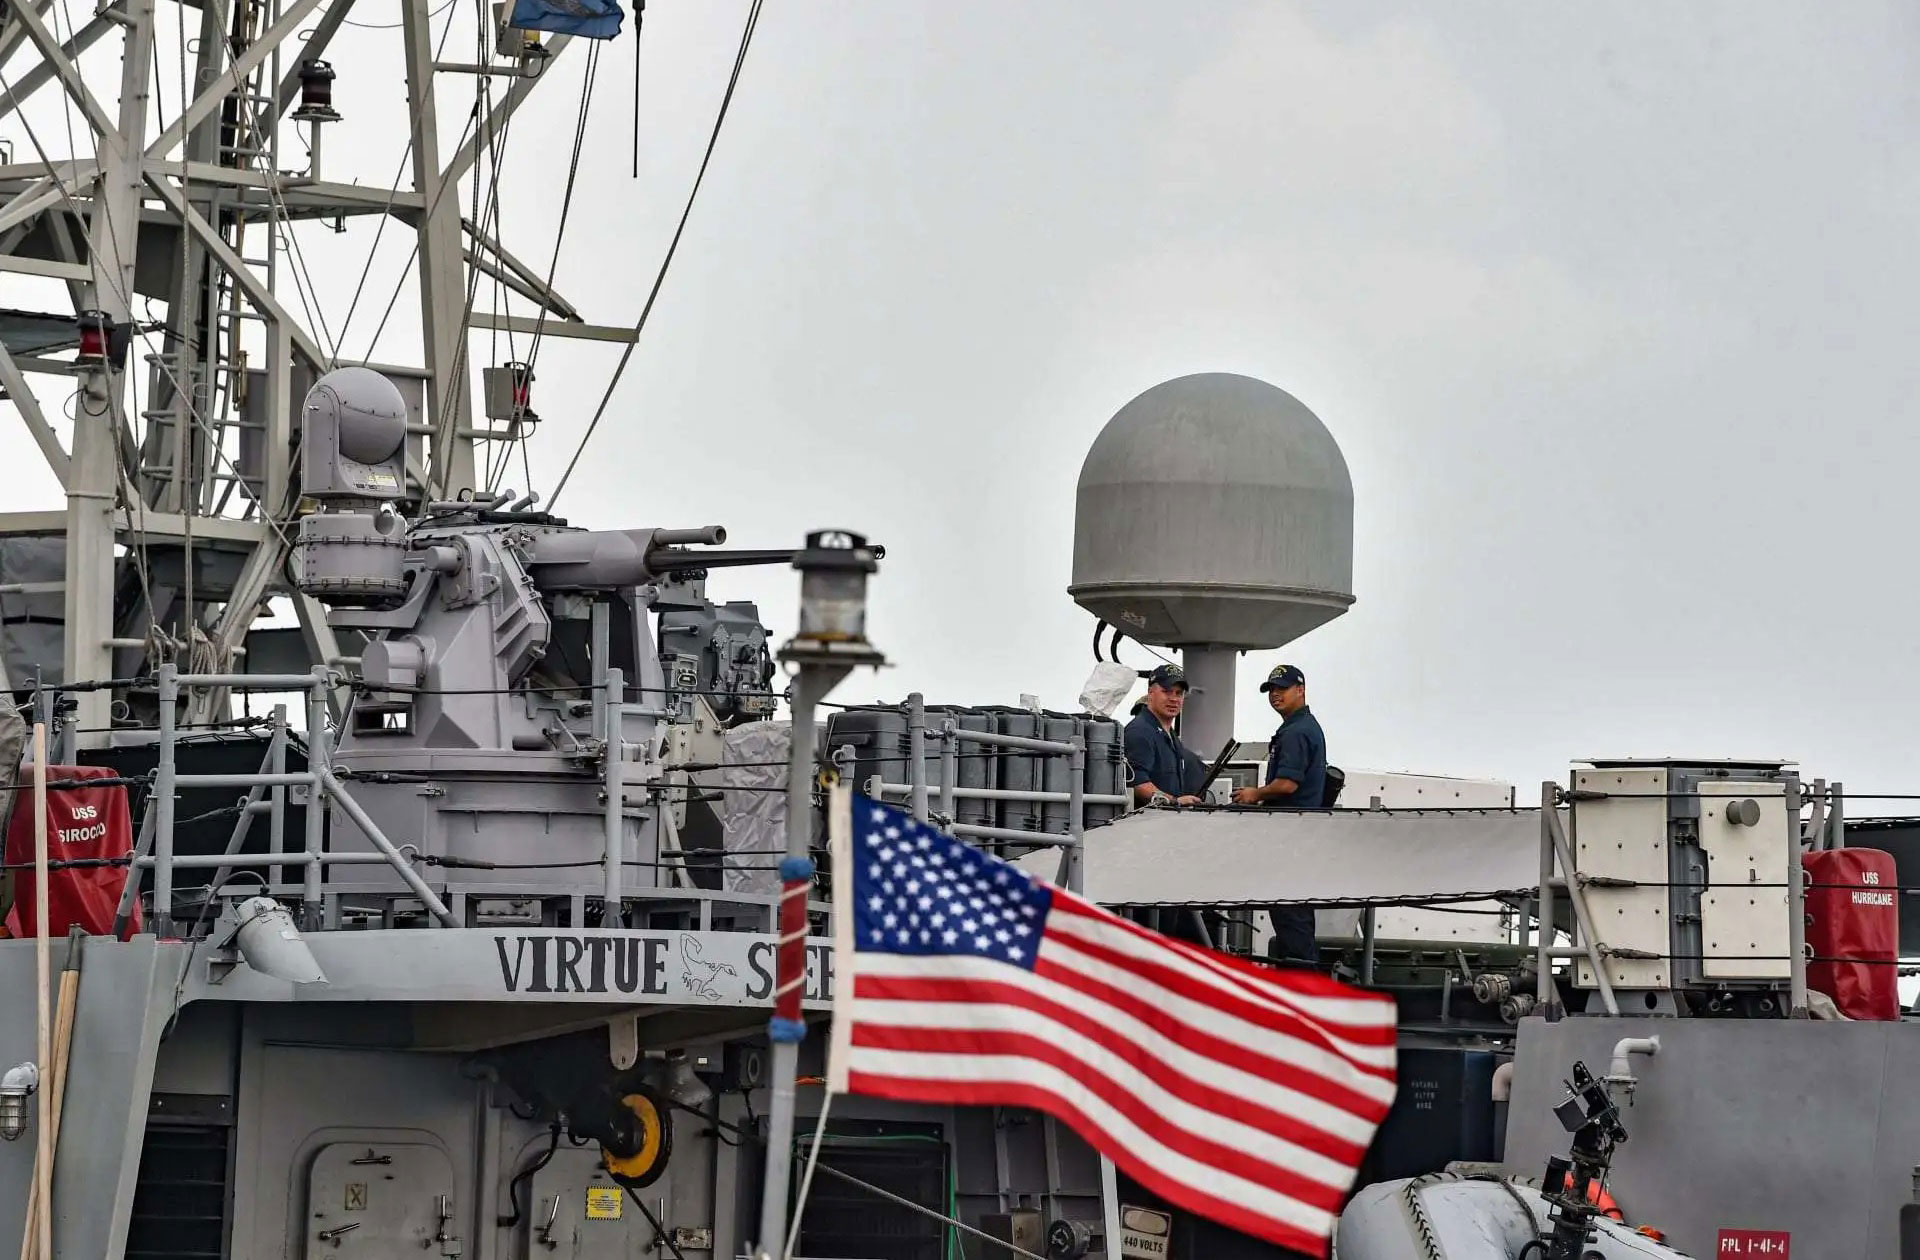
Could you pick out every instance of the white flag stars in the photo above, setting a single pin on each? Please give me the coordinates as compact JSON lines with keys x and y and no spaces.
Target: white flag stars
{"x":920,"y":892}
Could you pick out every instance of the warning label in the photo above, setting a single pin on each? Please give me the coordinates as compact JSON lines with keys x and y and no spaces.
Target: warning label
{"x":603,"y":1203}
{"x":1770,"y":1244}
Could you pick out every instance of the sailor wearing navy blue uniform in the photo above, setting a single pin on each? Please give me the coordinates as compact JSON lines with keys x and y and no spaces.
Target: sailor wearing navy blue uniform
{"x":1164,"y":769}
{"x":1296,"y":778}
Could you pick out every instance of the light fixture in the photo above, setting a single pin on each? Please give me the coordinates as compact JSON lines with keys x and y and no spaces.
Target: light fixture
{"x":15,"y":1088}
{"x":272,"y":945}
{"x":93,"y":327}
{"x":316,"y":92}
{"x":681,"y":1084}
{"x":833,"y":586}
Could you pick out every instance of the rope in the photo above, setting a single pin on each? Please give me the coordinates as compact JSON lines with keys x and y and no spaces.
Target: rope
{"x":566,"y":199}
{"x":806,"y":1179}
{"x":400,"y":173}
{"x":673,"y":246}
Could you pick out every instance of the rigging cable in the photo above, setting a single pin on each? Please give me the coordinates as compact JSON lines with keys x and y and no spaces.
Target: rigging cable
{"x":386,"y":212}
{"x":566,"y":201}
{"x":432,"y":205}
{"x":392,"y":26}
{"x":626,"y":355}
{"x":500,"y":462}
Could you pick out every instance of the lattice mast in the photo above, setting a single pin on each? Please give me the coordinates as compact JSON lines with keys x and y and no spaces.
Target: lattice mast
{"x":194,"y":334}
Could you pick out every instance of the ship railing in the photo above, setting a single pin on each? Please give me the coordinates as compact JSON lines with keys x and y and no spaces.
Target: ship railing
{"x":321,"y":786}
{"x":266,"y":793}
{"x":920,"y":794}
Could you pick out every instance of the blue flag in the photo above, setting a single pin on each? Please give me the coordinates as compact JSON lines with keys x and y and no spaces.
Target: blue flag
{"x":594,"y":19}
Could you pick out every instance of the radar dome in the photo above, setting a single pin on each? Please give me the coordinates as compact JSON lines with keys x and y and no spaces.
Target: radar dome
{"x":1214,"y":509}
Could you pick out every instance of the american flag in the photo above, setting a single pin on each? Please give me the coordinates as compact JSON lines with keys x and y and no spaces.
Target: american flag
{"x":1231,"y":1090}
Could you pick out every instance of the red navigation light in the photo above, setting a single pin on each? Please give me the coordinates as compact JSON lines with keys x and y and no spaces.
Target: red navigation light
{"x":93,"y":339}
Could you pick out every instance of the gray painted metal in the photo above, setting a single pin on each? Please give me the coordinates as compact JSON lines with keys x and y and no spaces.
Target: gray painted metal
{"x":537,"y":965}
{"x":125,"y":998}
{"x":1214,"y":509}
{"x":353,"y":426}
{"x":1447,"y":1216}
{"x":1807,"y":1127}
{"x":1259,"y":857}
{"x":1206,"y":724}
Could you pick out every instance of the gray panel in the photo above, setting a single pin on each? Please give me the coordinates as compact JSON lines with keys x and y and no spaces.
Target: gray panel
{"x":126,"y":993}
{"x":577,"y":1210}
{"x":1258,"y":857}
{"x":1795,"y":1125}
{"x":1623,"y":837}
{"x":198,"y":1056}
{"x":594,"y":966}
{"x":290,"y":1117}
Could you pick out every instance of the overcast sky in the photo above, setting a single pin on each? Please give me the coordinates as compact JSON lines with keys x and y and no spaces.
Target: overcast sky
{"x":1610,"y":308}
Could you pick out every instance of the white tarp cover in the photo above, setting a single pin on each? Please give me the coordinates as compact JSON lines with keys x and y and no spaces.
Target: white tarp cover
{"x":1107,"y":686}
{"x":1342,"y":857}
{"x":753,"y":820}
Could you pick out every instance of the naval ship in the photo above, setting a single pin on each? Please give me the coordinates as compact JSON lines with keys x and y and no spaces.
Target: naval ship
{"x":442,"y":920}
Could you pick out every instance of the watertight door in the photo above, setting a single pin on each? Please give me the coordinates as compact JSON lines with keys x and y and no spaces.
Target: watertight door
{"x":391,"y":1199}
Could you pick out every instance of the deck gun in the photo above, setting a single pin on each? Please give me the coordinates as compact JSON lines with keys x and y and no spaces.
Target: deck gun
{"x":484,"y":705}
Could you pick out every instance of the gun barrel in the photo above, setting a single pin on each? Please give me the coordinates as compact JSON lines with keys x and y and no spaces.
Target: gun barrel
{"x":705,"y":536}
{"x":597,"y":560}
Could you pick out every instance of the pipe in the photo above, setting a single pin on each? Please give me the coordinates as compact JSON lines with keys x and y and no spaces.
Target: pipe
{"x":130,"y":891}
{"x":1620,"y":1071}
{"x":1077,"y":816}
{"x":1367,"y":943}
{"x":319,"y":762}
{"x":1796,"y":908}
{"x":787,"y":1026}
{"x":1503,"y":1082}
{"x":949,"y":769}
{"x":1543,"y":907}
{"x":1207,"y":721}
{"x":38,"y":1236}
{"x":246,"y":682}
{"x":613,"y":912}
{"x":164,"y":788}
{"x":1582,"y":916}
{"x":917,"y":754}
{"x":1001,"y":794}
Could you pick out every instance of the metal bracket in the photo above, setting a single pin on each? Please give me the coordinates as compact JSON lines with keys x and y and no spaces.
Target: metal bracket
{"x":623,"y":1041}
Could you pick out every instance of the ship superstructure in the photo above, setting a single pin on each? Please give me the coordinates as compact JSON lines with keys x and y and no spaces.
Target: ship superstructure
{"x":449,"y":925}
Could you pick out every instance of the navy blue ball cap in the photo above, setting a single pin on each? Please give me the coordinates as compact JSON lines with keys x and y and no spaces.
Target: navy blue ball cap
{"x":1282,"y":677}
{"x":1168,"y":676}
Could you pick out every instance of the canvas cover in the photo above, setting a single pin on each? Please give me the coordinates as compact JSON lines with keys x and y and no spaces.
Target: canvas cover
{"x":753,"y":804}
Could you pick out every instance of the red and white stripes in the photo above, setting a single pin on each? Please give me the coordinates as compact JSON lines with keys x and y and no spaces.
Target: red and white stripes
{"x":1240,"y":1093}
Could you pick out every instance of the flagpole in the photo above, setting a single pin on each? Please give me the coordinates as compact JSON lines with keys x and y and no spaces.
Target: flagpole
{"x":1076,"y":884}
{"x":830,"y":641}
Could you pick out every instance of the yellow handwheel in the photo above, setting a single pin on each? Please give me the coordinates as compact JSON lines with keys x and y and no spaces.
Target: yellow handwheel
{"x":652,"y":1142}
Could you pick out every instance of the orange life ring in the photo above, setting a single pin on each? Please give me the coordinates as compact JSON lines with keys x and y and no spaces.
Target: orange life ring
{"x":1598,"y":1195}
